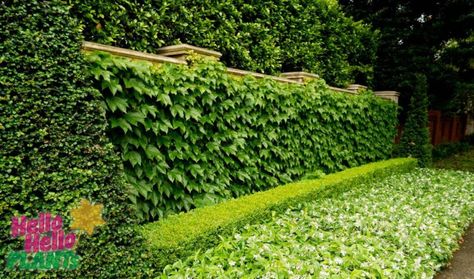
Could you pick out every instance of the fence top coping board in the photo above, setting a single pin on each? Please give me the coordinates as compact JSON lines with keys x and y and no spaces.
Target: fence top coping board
{"x":239,"y":72}
{"x":356,"y":87}
{"x":299,"y":75}
{"x":342,"y":90}
{"x":387,"y":93}
{"x":184,"y":49}
{"x":156,"y":58}
{"x":90,"y":46}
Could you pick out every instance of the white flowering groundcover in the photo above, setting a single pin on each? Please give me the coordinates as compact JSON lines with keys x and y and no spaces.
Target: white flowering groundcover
{"x":406,"y":226}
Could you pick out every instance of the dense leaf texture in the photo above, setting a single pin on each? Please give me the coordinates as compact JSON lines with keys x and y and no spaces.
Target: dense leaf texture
{"x":415,"y":140}
{"x":53,"y":149}
{"x":181,"y":235}
{"x":405,"y":226}
{"x":193,"y":135}
{"x":263,"y":36}
{"x":435,"y":38}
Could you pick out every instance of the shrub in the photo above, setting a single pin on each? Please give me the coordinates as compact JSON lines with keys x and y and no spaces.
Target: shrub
{"x":448,"y":149}
{"x":262,"y":36}
{"x":53,"y":149}
{"x":314,"y":175}
{"x":415,"y":139}
{"x":193,"y":135}
{"x":180,"y":235}
{"x":463,"y":161}
{"x":404,"y":226}
{"x":469,"y":139}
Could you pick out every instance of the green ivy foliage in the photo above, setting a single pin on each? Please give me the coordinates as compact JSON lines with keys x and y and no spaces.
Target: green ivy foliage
{"x":415,"y":140}
{"x":192,"y":135}
{"x":263,"y":36}
{"x":54,"y":150}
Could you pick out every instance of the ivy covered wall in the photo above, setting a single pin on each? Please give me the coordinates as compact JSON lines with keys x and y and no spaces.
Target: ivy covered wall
{"x":187,"y":135}
{"x":192,"y":135}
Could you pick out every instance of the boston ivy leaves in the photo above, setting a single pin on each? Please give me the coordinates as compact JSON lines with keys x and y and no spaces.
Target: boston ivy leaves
{"x":193,"y":135}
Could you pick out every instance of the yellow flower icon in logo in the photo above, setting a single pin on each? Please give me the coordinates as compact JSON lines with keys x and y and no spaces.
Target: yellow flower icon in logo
{"x":87,"y":216}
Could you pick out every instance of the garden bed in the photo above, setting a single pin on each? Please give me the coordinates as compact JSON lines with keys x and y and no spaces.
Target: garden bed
{"x":179,"y":236}
{"x":461,"y":161}
{"x":404,"y":226}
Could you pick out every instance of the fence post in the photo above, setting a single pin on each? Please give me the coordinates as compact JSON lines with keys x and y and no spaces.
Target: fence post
{"x":356,"y":87}
{"x":301,"y":77}
{"x":389,"y":95}
{"x":183,"y":50}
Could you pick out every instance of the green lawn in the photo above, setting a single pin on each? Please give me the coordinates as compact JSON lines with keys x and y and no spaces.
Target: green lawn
{"x":405,"y":226}
{"x":462,"y":161}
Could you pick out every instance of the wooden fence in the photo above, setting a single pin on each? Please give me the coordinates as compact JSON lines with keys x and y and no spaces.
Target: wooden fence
{"x":446,"y":128}
{"x":443,"y":128}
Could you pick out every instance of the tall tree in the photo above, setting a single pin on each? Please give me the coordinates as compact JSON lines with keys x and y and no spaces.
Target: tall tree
{"x":415,"y":141}
{"x":431,"y":37}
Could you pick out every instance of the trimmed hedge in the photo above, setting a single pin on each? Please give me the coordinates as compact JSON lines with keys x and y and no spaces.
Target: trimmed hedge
{"x":403,"y":226}
{"x":180,"y":235}
{"x":415,"y":140}
{"x":193,"y":135}
{"x":261,"y":36}
{"x":53,"y":146}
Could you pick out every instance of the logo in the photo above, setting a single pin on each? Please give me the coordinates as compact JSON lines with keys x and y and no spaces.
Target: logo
{"x":46,"y":244}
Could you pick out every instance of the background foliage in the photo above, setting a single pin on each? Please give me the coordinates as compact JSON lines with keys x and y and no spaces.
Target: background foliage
{"x":415,"y":139}
{"x":462,"y":161}
{"x":435,"y":38}
{"x":192,"y":135}
{"x":445,"y":150}
{"x":263,"y":36}
{"x":53,"y":149}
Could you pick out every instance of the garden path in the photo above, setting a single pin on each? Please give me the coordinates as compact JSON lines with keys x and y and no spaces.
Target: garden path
{"x":462,"y":264}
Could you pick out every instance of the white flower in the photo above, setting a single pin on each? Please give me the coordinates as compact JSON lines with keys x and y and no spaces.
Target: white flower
{"x":417,"y":263}
{"x":389,"y":211}
{"x":323,"y":274}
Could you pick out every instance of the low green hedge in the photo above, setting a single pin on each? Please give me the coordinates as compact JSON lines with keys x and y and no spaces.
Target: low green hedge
{"x":365,"y":232}
{"x":178,"y":235}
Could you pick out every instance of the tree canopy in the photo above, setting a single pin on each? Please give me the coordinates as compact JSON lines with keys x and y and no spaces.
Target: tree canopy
{"x":431,"y":37}
{"x":263,"y":36}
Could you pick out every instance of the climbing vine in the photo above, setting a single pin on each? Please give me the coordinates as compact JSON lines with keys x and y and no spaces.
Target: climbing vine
{"x":191,"y":135}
